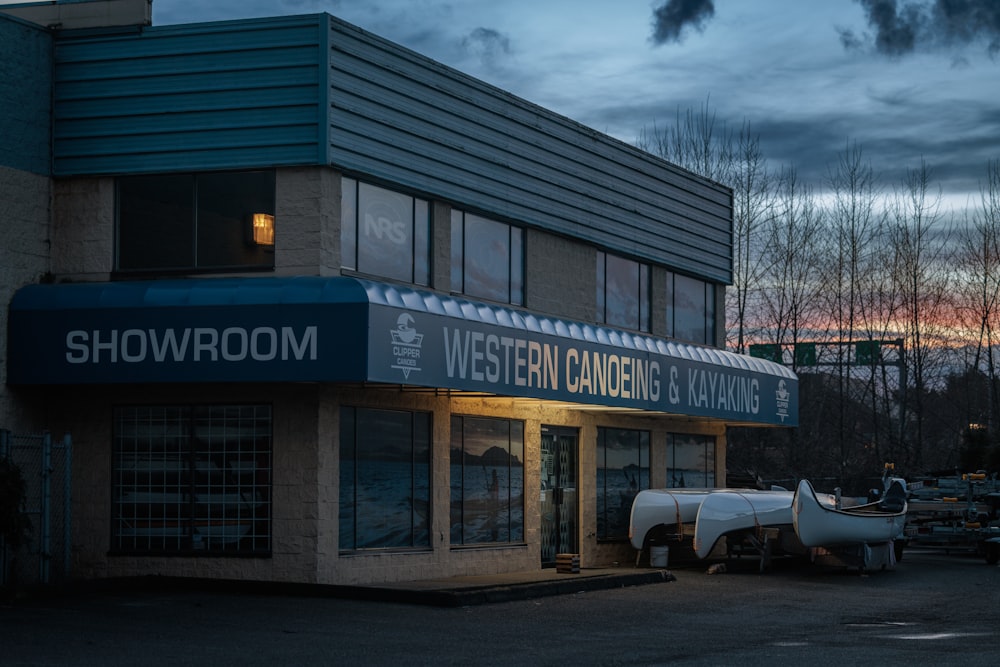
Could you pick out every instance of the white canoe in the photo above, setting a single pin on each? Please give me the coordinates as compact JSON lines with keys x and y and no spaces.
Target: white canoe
{"x":821,"y":524}
{"x":732,"y":511}
{"x":669,"y":507}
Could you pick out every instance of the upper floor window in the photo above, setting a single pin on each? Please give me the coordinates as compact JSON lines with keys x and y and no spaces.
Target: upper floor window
{"x":690,"y":309}
{"x":487,"y":258}
{"x":622,"y":292}
{"x":385,"y":233}
{"x":195,"y":222}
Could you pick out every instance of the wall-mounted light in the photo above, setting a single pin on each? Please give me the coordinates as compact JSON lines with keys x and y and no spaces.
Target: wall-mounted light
{"x":262,"y":228}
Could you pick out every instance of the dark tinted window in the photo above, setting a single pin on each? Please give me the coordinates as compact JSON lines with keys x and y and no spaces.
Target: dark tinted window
{"x":188,"y":222}
{"x":487,"y":258}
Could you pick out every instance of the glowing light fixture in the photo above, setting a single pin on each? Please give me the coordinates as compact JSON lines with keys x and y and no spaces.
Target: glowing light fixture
{"x":262,"y":227}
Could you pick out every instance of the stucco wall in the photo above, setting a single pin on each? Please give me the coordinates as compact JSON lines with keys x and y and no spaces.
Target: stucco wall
{"x":24,"y":259}
{"x":561,"y":276}
{"x":307,"y":219}
{"x":83,"y":229}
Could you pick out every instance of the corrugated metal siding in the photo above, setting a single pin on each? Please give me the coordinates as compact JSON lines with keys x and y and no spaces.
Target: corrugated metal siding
{"x":315,"y":90}
{"x":25,"y":96}
{"x":406,"y":119}
{"x":204,"y":96}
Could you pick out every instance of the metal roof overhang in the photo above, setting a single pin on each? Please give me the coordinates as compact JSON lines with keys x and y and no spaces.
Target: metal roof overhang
{"x":344,"y":329}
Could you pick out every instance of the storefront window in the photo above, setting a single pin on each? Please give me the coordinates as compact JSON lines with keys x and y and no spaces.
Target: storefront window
{"x":622,"y":292}
{"x":192,"y":480}
{"x":384,"y":479}
{"x":385,"y":233}
{"x":622,"y":471}
{"x":487,"y":481}
{"x":487,"y":258}
{"x":194,"y":222}
{"x":690,"y":461}
{"x":690,"y":309}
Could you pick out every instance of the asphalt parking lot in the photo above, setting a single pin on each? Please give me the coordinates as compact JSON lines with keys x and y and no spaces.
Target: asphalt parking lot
{"x":934,"y":608}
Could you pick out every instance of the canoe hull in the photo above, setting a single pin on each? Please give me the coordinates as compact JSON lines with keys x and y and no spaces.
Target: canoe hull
{"x":669,"y":507}
{"x":820,"y":524}
{"x":734,"y":512}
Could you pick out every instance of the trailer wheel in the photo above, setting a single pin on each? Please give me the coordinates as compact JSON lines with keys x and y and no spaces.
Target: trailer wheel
{"x":897,"y":549}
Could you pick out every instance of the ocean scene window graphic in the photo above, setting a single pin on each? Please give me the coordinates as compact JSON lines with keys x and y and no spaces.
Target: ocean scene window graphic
{"x":487,"y":481}
{"x":690,"y":461}
{"x":384,"y":479}
{"x":622,"y":471}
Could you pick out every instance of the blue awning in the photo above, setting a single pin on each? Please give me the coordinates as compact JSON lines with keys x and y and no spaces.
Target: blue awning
{"x":340,"y":329}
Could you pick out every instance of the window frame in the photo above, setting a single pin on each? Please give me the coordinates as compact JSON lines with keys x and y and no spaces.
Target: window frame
{"x":418,"y":269}
{"x":693,"y":440}
{"x":351,"y":437}
{"x":638,"y":300}
{"x":462,"y":264}
{"x":613,"y":517}
{"x":675,"y":315}
{"x":186,"y":451}
{"x":187,"y":247}
{"x":505,"y":504}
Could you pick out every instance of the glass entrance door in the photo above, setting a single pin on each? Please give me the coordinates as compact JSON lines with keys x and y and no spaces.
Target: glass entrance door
{"x":558,"y":504}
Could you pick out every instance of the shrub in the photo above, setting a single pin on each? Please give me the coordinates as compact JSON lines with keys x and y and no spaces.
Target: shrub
{"x":14,"y":524}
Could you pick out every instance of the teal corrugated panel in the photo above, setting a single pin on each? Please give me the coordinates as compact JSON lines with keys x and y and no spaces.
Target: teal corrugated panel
{"x":405,"y":119}
{"x":315,"y":90}
{"x":227,"y":95}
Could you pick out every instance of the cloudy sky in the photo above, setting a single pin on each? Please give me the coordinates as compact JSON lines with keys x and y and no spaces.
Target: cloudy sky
{"x":904,"y":79}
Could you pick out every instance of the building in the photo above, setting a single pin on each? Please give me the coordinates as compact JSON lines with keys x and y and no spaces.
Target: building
{"x":316,"y":308}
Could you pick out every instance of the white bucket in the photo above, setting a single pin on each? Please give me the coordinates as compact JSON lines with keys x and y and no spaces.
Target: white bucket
{"x":658,"y":556}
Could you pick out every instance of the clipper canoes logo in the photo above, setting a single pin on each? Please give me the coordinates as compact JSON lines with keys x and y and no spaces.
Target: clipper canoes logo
{"x":782,"y":396}
{"x":406,"y":342}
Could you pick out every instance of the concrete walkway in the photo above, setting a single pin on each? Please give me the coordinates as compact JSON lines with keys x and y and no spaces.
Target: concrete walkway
{"x":485,"y":589}
{"x":443,"y":592}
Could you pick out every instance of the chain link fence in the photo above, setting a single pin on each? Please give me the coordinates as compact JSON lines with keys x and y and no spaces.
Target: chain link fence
{"x":45,"y":464}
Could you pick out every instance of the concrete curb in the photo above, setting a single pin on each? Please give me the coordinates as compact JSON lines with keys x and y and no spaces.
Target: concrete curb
{"x":491,"y":594}
{"x":432,"y":594}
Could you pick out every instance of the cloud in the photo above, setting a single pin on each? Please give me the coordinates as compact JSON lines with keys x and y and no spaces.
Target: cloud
{"x":670,"y":19}
{"x":487,"y":44}
{"x":901,"y":28}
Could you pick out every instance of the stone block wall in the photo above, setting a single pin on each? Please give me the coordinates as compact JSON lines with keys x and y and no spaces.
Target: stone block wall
{"x":24,"y":259}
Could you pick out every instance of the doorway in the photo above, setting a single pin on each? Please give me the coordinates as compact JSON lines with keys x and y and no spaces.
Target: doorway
{"x":559,"y":504}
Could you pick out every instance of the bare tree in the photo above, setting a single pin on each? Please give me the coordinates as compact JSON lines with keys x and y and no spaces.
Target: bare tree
{"x":754,"y":211}
{"x":858,"y":295}
{"x":697,"y":142}
{"x":792,"y":283}
{"x":921,"y":245}
{"x":694,"y":142}
{"x":979,"y":266}
{"x":791,"y":300}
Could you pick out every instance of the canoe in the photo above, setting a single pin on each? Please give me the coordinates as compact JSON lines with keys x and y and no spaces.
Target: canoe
{"x":730,"y":512}
{"x":669,"y":507}
{"x":821,"y":524}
